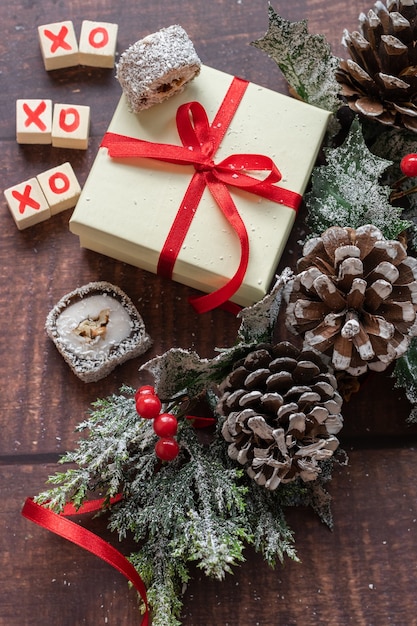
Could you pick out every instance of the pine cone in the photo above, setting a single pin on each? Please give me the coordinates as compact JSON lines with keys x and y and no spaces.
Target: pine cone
{"x":380,"y":81}
{"x":282,"y":410}
{"x":355,"y":298}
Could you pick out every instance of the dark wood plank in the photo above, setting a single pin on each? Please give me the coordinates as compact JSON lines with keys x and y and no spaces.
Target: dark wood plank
{"x":360,"y":573}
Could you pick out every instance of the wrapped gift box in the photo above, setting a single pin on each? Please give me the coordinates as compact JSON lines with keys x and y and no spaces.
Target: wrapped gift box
{"x":128,"y":205}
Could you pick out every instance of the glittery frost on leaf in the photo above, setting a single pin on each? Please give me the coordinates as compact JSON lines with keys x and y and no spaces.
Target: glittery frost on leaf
{"x":305,"y":60}
{"x":393,"y":144}
{"x":347,"y":192}
{"x":406,"y":375}
{"x":258,"y":320}
{"x":183,"y":371}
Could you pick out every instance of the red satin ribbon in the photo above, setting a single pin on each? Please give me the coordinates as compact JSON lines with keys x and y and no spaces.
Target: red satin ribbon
{"x":200,"y":141}
{"x":201,"y":422}
{"x":58,"y":524}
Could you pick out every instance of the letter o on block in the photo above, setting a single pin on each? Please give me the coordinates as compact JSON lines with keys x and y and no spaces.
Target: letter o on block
{"x":60,"y":187}
{"x":97,"y":46}
{"x":71,"y":126}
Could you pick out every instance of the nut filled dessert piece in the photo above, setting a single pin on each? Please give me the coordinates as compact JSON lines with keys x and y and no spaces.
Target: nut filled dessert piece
{"x":156,"y":67}
{"x":95,"y":328}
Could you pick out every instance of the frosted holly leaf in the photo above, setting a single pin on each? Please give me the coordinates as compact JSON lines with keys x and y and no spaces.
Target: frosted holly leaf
{"x":406,"y":375}
{"x":394,"y":144}
{"x":305,"y":60}
{"x":180,"y":372}
{"x":183,"y":371}
{"x":258,"y":321}
{"x":176,"y":371}
{"x":347,"y":191}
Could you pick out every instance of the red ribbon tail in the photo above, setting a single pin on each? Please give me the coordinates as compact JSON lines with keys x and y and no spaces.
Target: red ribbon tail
{"x":220,"y":297}
{"x":84,"y":538}
{"x":201,"y":422}
{"x":231,"y":307}
{"x":202,"y":304}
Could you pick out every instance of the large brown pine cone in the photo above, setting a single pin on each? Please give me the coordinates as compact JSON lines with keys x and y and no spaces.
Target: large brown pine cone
{"x":355,"y":298}
{"x":282,"y":412}
{"x":380,"y":81}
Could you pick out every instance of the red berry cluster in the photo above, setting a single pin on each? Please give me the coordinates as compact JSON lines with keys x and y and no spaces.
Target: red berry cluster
{"x":165,"y":425}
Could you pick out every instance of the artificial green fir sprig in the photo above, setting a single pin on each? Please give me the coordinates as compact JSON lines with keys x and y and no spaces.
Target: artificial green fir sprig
{"x":199,"y":508}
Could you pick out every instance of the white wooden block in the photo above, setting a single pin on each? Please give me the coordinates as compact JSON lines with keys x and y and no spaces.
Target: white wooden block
{"x":71,"y":126}
{"x":58,"y":44}
{"x":97,"y":44}
{"x":60,"y":187}
{"x":27,"y":203}
{"x":34,"y":121}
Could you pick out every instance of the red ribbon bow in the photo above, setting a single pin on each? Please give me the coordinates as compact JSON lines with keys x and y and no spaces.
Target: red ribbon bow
{"x":200,"y":142}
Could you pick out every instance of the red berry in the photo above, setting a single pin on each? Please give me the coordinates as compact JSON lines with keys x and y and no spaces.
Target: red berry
{"x":144,"y":390}
{"x":167,"y":449}
{"x":165,"y":425}
{"x":148,"y":406}
{"x":408,"y":165}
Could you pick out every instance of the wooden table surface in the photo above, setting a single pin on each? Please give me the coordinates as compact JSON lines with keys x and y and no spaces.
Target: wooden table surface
{"x":362,"y":573}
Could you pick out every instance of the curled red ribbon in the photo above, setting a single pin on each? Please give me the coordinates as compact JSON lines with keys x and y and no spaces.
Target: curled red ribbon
{"x":200,"y":141}
{"x":58,"y":524}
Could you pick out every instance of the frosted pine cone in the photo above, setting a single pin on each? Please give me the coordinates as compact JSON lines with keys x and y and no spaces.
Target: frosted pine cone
{"x":355,"y":298}
{"x":282,"y":412}
{"x":380,"y":81}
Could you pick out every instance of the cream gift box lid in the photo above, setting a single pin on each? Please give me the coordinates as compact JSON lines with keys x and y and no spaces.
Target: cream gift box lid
{"x":127,"y":205}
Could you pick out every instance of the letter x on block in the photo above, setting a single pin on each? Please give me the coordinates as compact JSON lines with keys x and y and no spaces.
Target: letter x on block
{"x":34,"y":121}
{"x":27,"y":203}
{"x":58,"y":44}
